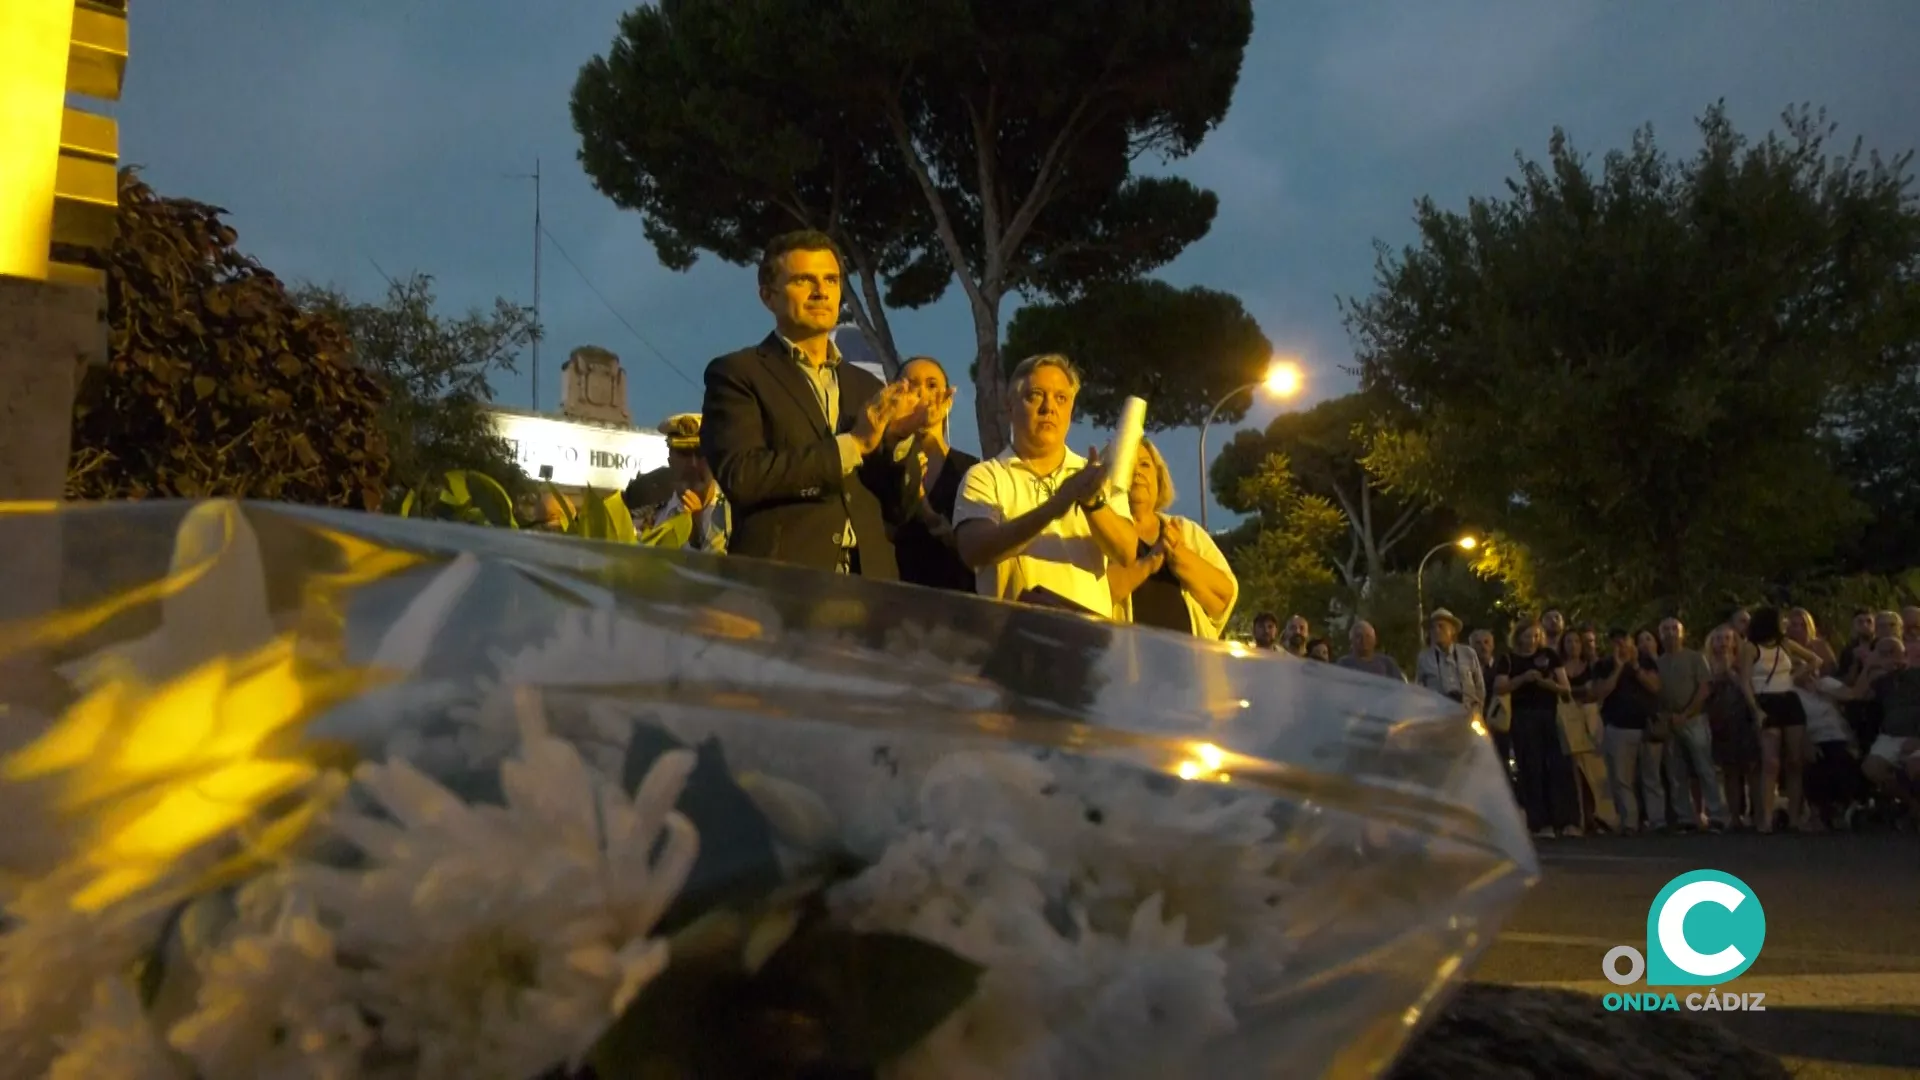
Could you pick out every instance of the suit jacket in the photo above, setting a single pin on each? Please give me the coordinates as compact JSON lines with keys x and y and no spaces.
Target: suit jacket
{"x":777,"y":460}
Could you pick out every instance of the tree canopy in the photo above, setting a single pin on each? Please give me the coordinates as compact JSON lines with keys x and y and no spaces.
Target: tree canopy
{"x":1179,"y":349}
{"x":1630,"y":370}
{"x":436,"y":371}
{"x":1016,"y":126}
{"x":1282,"y":564}
{"x":218,"y":382}
{"x":1326,"y":446}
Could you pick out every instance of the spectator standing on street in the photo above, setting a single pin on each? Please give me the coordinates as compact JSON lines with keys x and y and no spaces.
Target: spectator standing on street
{"x":1580,"y":729}
{"x":1733,"y":718}
{"x":1627,"y":684}
{"x":1363,"y":655}
{"x":1320,"y":649}
{"x":1893,"y":761}
{"x":1038,"y":523}
{"x":1499,"y":715}
{"x":1450,"y":666}
{"x":1179,"y":580}
{"x":924,"y":544}
{"x":1774,"y":671}
{"x":1553,"y":626}
{"x":1266,"y":631}
{"x":801,"y":443}
{"x":1685,"y":682}
{"x":1534,"y":681}
{"x":1295,"y":637}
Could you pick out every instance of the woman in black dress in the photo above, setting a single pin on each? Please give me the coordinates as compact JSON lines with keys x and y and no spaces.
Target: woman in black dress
{"x":1535,"y":681}
{"x":923,"y":545}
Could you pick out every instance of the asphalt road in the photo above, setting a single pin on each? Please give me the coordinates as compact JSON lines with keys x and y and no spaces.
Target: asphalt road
{"x":1841,"y":964}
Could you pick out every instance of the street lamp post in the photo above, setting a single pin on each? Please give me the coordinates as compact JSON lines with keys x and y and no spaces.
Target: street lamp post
{"x":1465,"y":543}
{"x":1282,"y":381}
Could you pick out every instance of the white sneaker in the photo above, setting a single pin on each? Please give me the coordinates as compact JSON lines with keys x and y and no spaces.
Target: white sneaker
{"x":1543,"y":834}
{"x":1572,"y":830}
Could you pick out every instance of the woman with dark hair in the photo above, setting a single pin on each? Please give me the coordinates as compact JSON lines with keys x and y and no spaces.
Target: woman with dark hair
{"x":1533,"y":679}
{"x":1320,"y":649}
{"x":1773,"y":671}
{"x":923,"y":545}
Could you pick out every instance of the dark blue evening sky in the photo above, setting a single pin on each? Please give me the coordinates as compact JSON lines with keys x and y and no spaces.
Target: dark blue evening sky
{"x":350,"y":132}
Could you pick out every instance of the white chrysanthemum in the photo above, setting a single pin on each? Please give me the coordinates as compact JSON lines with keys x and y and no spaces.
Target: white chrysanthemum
{"x":52,"y":959}
{"x":502,"y":940}
{"x":115,"y":1039}
{"x":1139,"y":1006}
{"x":1112,"y":838}
{"x":274,"y":1004}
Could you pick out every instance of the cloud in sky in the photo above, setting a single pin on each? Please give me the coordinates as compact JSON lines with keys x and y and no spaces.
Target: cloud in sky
{"x":361,"y":131}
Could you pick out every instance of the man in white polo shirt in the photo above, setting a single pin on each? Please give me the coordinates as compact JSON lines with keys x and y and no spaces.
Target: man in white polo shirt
{"x":1039,"y":516}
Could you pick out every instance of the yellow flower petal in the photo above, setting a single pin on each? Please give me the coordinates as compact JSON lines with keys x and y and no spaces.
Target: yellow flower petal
{"x":73,"y":741}
{"x":188,"y":815}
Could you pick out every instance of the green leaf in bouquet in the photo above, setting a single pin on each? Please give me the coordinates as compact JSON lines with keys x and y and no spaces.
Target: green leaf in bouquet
{"x":883,"y":992}
{"x":737,"y":863}
{"x":674,"y":532}
{"x":829,"y":1003}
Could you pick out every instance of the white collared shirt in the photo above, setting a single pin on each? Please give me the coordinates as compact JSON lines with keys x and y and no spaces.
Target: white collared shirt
{"x":1064,"y":558}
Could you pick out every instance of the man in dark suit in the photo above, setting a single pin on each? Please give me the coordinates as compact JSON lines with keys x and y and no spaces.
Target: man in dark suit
{"x":802,"y":444}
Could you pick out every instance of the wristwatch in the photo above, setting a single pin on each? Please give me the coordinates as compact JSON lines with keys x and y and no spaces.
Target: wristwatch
{"x":1093,"y":504}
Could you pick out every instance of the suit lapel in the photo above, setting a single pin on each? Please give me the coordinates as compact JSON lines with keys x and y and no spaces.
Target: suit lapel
{"x":783,"y":370}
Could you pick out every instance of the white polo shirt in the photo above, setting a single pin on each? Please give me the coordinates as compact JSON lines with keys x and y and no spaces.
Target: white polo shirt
{"x":1064,"y":558}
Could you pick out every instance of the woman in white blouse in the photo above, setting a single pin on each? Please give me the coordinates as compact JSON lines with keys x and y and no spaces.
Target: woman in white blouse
{"x":1179,"y":580}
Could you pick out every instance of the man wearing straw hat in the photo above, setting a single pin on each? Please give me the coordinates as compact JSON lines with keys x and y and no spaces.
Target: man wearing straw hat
{"x":695,"y":492}
{"x":1449,"y":666}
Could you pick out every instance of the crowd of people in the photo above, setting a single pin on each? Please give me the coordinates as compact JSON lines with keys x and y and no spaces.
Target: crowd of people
{"x":799,"y":457}
{"x":1769,"y":728}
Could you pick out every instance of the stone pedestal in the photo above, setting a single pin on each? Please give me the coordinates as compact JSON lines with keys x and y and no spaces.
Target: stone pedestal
{"x":48,"y":334}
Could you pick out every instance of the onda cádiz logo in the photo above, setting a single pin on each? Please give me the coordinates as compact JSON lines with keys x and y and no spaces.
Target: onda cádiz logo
{"x":1704,"y":928}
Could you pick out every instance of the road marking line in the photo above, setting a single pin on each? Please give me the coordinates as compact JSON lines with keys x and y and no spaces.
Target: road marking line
{"x":1873,"y":960}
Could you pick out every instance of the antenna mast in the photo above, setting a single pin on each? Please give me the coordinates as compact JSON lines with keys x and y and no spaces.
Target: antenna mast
{"x":538,"y":230}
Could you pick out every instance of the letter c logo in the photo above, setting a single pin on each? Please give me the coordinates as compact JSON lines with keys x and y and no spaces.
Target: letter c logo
{"x":1703,"y":927}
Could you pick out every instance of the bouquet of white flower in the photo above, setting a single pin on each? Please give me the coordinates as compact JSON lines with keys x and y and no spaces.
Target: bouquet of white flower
{"x":339,"y":796}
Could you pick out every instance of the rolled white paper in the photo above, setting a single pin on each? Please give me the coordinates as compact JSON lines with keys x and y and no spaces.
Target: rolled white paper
{"x":1126,"y":444}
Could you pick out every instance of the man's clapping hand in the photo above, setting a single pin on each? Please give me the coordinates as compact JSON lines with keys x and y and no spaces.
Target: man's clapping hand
{"x":691,"y":502}
{"x":1087,"y":484}
{"x":889,"y":413}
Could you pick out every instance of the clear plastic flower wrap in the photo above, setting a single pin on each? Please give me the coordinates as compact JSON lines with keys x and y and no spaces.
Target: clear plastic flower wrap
{"x":302,"y":793}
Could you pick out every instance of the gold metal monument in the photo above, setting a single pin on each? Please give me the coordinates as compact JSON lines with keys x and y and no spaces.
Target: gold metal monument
{"x":58,"y":165}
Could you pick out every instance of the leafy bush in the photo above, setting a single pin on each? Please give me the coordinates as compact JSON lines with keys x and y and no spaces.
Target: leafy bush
{"x":218,"y":383}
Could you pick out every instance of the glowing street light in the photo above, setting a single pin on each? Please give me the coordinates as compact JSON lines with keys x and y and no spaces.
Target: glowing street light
{"x":1282,"y":382}
{"x":1465,"y":543}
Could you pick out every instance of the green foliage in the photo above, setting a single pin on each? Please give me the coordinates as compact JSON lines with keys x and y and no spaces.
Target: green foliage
{"x":466,"y":496}
{"x":1330,"y":446}
{"x":1282,"y":565}
{"x":1628,"y":370}
{"x":436,"y":371}
{"x":603,"y":517}
{"x":1392,"y":605}
{"x":219,"y":384}
{"x":1016,"y":126}
{"x":1872,"y":430}
{"x":761,"y":983}
{"x":1181,"y":350}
